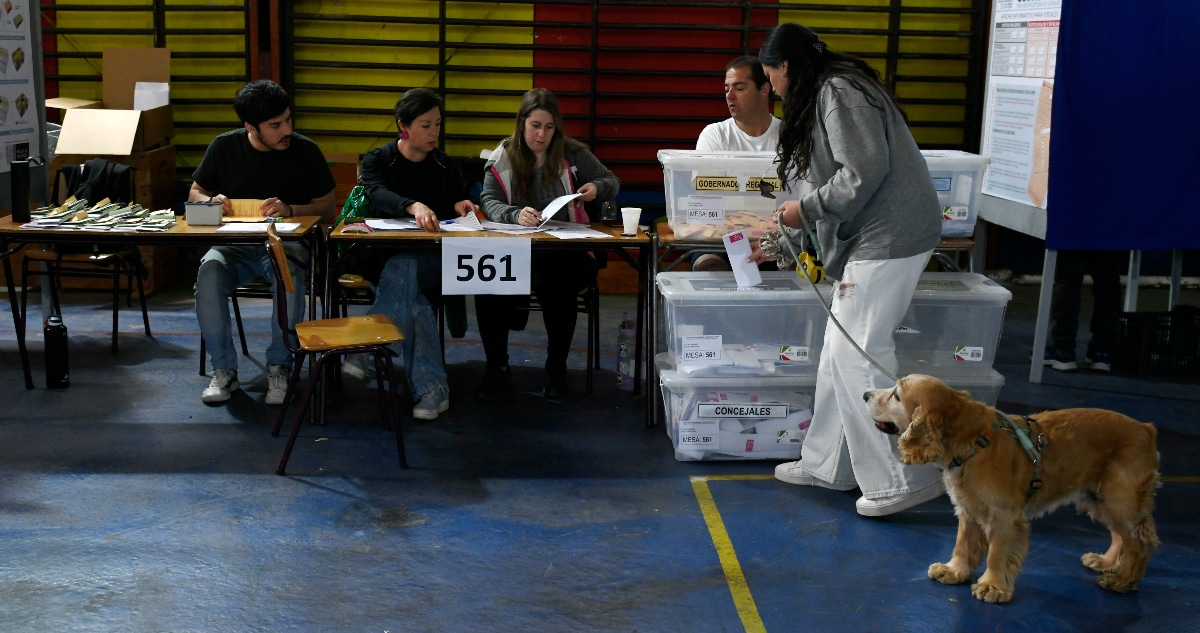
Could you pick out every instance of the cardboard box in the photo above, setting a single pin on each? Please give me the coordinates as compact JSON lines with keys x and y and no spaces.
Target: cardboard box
{"x":112,"y":127}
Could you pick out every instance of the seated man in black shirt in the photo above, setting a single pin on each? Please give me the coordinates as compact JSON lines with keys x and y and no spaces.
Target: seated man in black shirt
{"x":263,"y":160}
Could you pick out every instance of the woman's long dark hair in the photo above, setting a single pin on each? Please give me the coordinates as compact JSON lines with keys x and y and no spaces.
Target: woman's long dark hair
{"x":523,"y":160}
{"x":810,"y":65}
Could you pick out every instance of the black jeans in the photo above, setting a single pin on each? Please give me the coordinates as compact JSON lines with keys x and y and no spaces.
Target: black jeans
{"x":557,"y":280}
{"x":1105,"y":267}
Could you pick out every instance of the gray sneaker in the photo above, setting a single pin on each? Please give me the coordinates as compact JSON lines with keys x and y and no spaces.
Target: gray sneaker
{"x":431,"y":405}
{"x":277,"y":383}
{"x":224,"y":383}
{"x":359,"y":366}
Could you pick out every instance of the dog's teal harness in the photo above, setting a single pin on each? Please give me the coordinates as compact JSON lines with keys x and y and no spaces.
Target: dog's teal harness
{"x":1033,"y":447}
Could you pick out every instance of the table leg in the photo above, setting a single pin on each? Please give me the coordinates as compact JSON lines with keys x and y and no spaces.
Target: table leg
{"x":1043,"y":317}
{"x":18,"y":322}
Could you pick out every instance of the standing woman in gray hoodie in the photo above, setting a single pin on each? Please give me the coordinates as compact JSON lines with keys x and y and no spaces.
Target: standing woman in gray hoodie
{"x":877,"y":220}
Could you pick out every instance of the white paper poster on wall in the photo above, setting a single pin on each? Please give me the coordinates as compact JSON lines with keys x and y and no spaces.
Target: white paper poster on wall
{"x":1016,"y":131}
{"x":19,"y":127}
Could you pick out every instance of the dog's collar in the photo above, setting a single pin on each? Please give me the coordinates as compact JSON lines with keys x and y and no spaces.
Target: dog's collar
{"x":1033,"y":447}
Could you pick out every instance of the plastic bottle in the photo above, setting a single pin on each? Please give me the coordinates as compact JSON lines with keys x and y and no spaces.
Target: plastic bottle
{"x":58,"y":374}
{"x":626,"y":347}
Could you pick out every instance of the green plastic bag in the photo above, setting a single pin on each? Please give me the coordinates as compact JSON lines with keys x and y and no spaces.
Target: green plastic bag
{"x":356,"y":209}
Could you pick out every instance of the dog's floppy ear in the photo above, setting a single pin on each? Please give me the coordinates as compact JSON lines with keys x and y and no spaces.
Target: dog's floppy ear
{"x":923,"y":441}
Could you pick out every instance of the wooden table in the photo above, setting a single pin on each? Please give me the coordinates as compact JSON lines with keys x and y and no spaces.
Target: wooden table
{"x":613,"y":243}
{"x":13,"y":238}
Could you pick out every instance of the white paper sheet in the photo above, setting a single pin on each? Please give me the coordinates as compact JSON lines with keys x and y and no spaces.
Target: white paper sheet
{"x":737,"y":247}
{"x":392,"y":224}
{"x":511,"y":229}
{"x":258,"y":227}
{"x":555,"y":205}
{"x":467,"y":222}
{"x":148,"y":95}
{"x":577,"y":232}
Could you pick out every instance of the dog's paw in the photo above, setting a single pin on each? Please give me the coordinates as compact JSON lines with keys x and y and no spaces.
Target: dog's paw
{"x":947,"y":575}
{"x":1112,"y":582}
{"x":1096,"y":562}
{"x":990,"y":593}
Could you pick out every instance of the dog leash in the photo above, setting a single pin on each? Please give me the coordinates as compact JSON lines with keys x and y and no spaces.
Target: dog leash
{"x":814,"y":273}
{"x":1034,"y":447}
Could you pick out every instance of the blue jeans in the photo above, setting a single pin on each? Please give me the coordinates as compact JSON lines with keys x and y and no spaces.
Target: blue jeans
{"x":399,"y":296}
{"x":222,"y":270}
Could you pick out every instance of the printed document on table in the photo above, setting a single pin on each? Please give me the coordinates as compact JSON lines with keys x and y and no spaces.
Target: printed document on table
{"x":392,"y":224}
{"x":258,"y":227}
{"x":575,"y":231}
{"x":511,"y":229}
{"x":466,"y":222}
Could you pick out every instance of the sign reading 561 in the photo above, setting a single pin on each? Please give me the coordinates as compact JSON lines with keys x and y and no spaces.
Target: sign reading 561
{"x":485,"y":266}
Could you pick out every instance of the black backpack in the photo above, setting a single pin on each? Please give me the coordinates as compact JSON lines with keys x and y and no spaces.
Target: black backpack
{"x":99,"y":179}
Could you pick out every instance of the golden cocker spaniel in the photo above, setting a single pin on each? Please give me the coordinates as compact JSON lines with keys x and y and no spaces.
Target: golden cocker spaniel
{"x":1103,"y":462}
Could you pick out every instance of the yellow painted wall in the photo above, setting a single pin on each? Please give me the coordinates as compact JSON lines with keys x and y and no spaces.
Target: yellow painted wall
{"x":386,"y":86}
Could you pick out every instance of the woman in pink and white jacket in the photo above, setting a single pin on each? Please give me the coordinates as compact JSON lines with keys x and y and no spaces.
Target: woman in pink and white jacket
{"x":537,"y":164}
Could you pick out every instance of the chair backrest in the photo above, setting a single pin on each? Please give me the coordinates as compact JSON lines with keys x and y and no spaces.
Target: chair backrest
{"x":283,"y":270}
{"x":283,"y":285}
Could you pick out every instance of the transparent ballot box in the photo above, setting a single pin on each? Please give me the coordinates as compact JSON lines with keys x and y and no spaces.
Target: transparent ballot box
{"x":734,"y":417}
{"x":958,"y":179}
{"x":757,"y":417}
{"x":713,"y":327}
{"x":953,"y":325}
{"x":709,"y":194}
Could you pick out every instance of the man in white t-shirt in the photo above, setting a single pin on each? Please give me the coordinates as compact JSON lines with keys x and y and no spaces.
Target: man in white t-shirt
{"x":751,"y":127}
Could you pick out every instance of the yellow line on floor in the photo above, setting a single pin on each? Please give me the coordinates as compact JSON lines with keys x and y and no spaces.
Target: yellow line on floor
{"x":732,"y":477}
{"x":742,"y":599}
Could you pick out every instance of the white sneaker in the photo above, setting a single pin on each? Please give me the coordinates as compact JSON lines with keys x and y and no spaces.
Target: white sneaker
{"x":896,"y":503}
{"x":277,"y":382}
{"x":224,"y":382}
{"x":428,"y":408}
{"x":790,"y":472}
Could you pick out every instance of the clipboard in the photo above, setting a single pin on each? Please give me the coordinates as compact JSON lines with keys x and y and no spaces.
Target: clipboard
{"x":244,"y":210}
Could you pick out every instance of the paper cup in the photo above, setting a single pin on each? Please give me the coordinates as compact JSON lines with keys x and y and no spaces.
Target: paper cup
{"x":630,"y":216}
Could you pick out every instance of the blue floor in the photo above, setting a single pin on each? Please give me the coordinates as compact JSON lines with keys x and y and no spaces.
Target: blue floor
{"x":127,"y":505}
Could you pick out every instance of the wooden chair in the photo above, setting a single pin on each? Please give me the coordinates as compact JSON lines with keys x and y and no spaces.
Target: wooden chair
{"x":326,"y":341}
{"x":99,"y":264}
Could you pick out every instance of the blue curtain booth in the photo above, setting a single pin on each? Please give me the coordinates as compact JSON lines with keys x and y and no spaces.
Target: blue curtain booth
{"x":1125,"y":144}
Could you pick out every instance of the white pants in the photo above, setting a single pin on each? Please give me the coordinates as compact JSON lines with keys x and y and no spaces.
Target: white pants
{"x":842,"y":445}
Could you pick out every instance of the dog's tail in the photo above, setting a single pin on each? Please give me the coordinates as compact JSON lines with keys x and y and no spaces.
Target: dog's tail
{"x":1144,"y":530}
